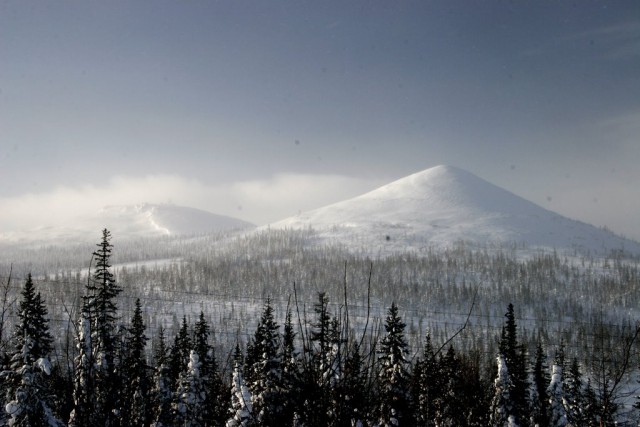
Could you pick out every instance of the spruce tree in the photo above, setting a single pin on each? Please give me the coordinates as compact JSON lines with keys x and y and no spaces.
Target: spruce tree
{"x":315,"y":391}
{"x":474,"y":399}
{"x":428,"y":385}
{"x":290,"y":372}
{"x":188,"y":406}
{"x":394,"y":376}
{"x":28,"y":394}
{"x":502,"y":405}
{"x":321,"y":335}
{"x":161,"y":393}
{"x":557,"y":411}
{"x":515,"y":357}
{"x":266,"y":389}
{"x":574,"y":392}
{"x":540,"y":397}
{"x":353,"y":399}
{"x":84,"y":378}
{"x":137,"y":384}
{"x":451,"y":412}
{"x":241,"y":410}
{"x":179,"y":356}
{"x":215,"y":396}
{"x":96,"y":388}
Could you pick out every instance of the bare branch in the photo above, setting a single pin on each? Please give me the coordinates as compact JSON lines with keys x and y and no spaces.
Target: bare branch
{"x":466,"y":322}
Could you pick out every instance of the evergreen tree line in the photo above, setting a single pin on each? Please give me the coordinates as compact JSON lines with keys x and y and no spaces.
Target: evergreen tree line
{"x":305,"y":372}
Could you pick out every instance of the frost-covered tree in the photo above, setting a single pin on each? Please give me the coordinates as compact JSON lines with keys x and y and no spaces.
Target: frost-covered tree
{"x":241,"y":409}
{"x":28,"y":392}
{"x":84,"y":378}
{"x":266,"y":389}
{"x":394,"y":378}
{"x":161,"y":394}
{"x":557,"y":411}
{"x":501,"y":405}
{"x":188,"y":407}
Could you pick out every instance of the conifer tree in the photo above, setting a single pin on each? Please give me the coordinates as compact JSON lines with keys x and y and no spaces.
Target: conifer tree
{"x":353,"y":406}
{"x":451,"y":411}
{"x":321,"y":335}
{"x":84,"y":378}
{"x":266,"y":389}
{"x":315,"y":409}
{"x":161,"y":392}
{"x":428,"y":385}
{"x":474,"y":400}
{"x":574,"y":391}
{"x":290,"y":372}
{"x":215,"y":397}
{"x":28,"y":392}
{"x":540,"y":397}
{"x":591,"y":407}
{"x":502,"y":405}
{"x":137,"y":385}
{"x":394,"y":376}
{"x":97,"y":382}
{"x":179,"y":356}
{"x":558,"y":414}
{"x":241,"y":409}
{"x":515,"y":358}
{"x":188,"y":407}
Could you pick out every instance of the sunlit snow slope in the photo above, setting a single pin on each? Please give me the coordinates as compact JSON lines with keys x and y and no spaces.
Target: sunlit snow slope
{"x":444,"y":205}
{"x":143,"y":220}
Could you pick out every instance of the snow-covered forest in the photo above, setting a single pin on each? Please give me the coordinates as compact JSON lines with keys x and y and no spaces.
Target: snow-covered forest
{"x":267,"y":330}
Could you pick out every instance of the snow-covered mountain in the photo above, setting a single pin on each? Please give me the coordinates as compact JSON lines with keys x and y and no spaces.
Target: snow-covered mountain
{"x":142,"y":220}
{"x":444,"y":205}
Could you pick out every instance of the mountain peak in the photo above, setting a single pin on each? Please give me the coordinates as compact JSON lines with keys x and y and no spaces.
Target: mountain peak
{"x":445,"y":204}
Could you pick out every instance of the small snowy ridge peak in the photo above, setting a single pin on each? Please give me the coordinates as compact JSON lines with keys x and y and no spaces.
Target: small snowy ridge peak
{"x":132,"y":221}
{"x":443,"y":205}
{"x":166,"y":219}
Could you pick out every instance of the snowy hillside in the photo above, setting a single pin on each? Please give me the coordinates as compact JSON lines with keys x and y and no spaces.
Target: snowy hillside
{"x":142,"y":220}
{"x":442,"y":205}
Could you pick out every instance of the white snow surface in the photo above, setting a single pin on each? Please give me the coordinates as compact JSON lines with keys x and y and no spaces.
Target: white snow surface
{"x":129,"y":221}
{"x":444,"y":205}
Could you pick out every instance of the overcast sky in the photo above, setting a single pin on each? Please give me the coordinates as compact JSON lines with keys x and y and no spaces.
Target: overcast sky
{"x":261,"y":109}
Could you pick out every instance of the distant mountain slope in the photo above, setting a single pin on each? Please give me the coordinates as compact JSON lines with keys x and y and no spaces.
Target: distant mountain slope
{"x":142,"y":220}
{"x":442,"y":205}
{"x":169,"y":219}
